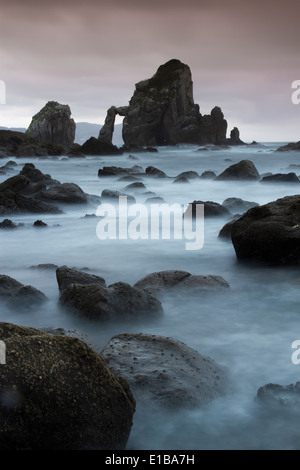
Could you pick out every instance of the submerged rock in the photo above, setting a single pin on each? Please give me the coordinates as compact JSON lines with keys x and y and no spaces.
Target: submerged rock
{"x":119,"y":301}
{"x":13,"y":203}
{"x":69,"y":193}
{"x":281,"y":178}
{"x":180,"y":281}
{"x":164,"y":372}
{"x":292,"y":146}
{"x":237,"y":205}
{"x":279,"y":395}
{"x":269,"y":233}
{"x":211,"y":209}
{"x":152,"y":171}
{"x":67,"y":276}
{"x":58,"y":394}
{"x":17,"y":294}
{"x":119,"y":171}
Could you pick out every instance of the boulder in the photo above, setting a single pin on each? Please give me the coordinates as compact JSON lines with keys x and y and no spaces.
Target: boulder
{"x":136,"y":186}
{"x":279,"y":395}
{"x":165,"y":372}
{"x":281,"y":178}
{"x":113,"y":195}
{"x":69,"y":193}
{"x":39,"y":223}
{"x":211,"y":209}
{"x":119,"y":171}
{"x":208,"y":175}
{"x":58,"y":394}
{"x":7,"y":224}
{"x":68,"y":276}
{"x":244,"y":170}
{"x":237,"y":205}
{"x":180,"y":281}
{"x":17,"y":294}
{"x":269,"y":233}
{"x":14,"y":203}
{"x":189,"y":175}
{"x":181,"y":179}
{"x":53,"y":124}
{"x":152,"y":171}
{"x":95,"y":146}
{"x":119,"y":301}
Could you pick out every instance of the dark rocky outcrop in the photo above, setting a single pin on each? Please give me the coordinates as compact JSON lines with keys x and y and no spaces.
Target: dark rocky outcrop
{"x":53,"y":124}
{"x":165,"y":372}
{"x":269,"y":233}
{"x":58,"y":394}
{"x":292,"y":146}
{"x":162,"y":111}
{"x":180,"y":281}
{"x":14,"y":203}
{"x":235,"y":137}
{"x":243,"y":170}
{"x":95,"y":146}
{"x":281,"y":178}
{"x":118,"y":171}
{"x":19,"y":144}
{"x":17,"y":294}
{"x":67,"y":276}
{"x":116,"y":302}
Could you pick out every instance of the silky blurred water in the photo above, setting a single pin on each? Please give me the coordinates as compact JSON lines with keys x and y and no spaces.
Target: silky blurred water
{"x":249,"y":328}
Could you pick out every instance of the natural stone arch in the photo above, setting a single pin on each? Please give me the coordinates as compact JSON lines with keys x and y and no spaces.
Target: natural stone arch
{"x":107,"y":130}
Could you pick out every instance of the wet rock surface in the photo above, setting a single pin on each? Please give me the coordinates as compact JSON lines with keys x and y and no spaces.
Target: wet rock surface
{"x":164,"y":372}
{"x":57,"y":394}
{"x":270,"y":233}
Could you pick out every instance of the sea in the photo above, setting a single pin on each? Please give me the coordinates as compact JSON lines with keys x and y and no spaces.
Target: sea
{"x":249,"y":329}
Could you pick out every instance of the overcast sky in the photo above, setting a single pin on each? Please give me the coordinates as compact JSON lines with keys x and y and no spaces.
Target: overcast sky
{"x":243,"y":55}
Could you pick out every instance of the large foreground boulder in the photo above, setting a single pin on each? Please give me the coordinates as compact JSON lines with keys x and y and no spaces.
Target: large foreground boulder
{"x":270,"y":232}
{"x":165,"y":372}
{"x":119,"y":301}
{"x":56,"y":393}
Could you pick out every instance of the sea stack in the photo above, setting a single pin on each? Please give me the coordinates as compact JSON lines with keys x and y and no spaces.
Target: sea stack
{"x":53,"y":123}
{"x":162,"y":112}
